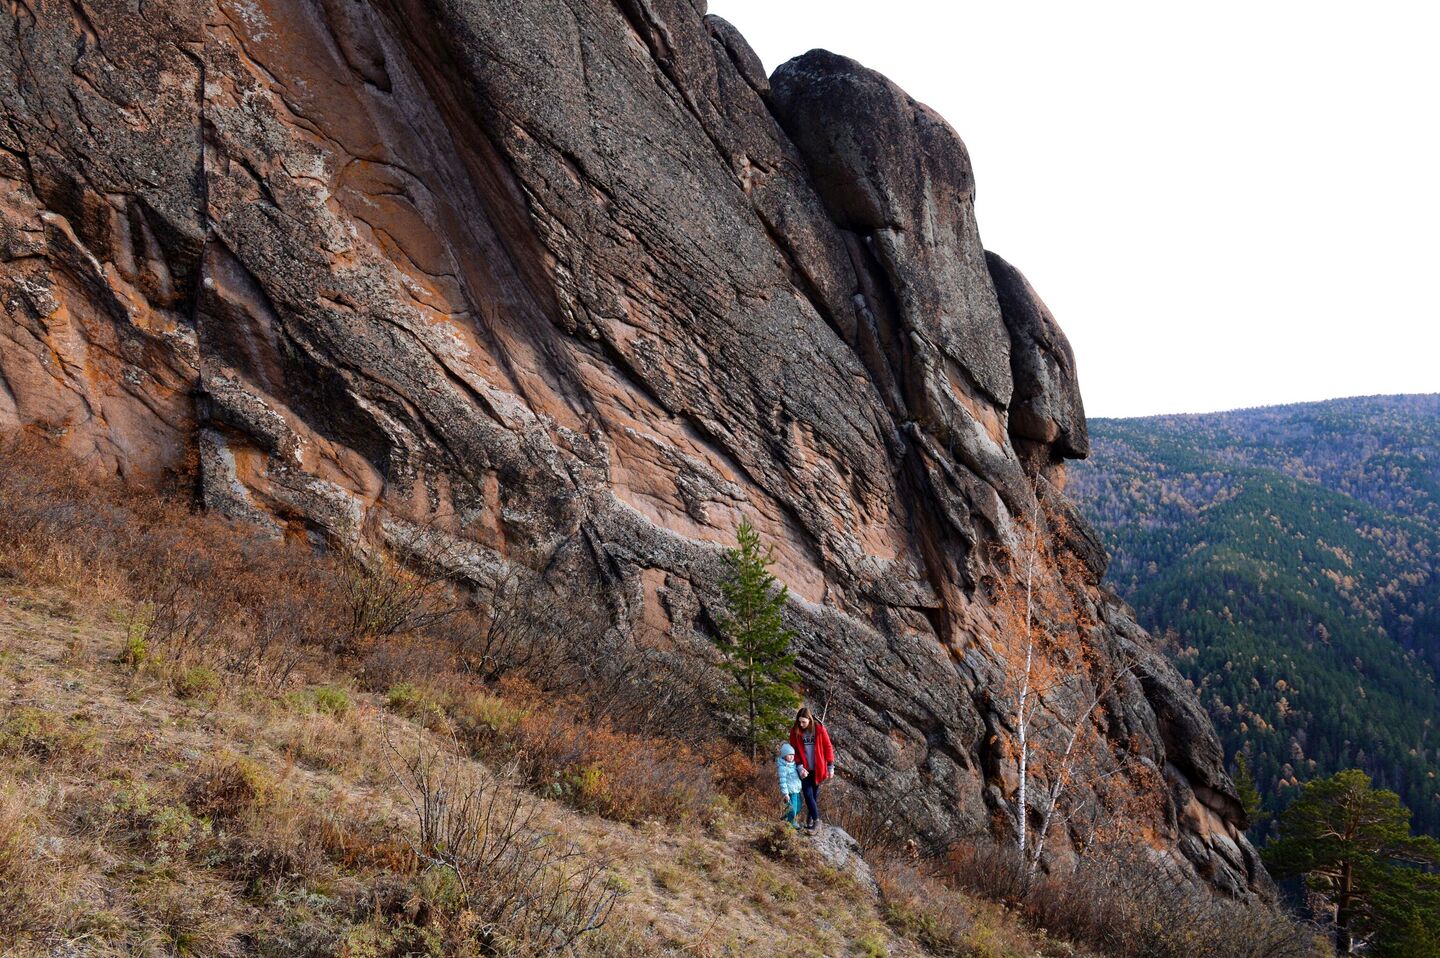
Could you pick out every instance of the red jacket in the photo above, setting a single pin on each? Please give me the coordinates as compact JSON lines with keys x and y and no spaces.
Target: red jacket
{"x":824,"y":751}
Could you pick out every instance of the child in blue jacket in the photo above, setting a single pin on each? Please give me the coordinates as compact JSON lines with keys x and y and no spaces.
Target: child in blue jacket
{"x":789,"y":783}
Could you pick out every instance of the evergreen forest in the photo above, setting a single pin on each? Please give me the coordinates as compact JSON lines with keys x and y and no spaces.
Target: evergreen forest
{"x":1290,"y":557}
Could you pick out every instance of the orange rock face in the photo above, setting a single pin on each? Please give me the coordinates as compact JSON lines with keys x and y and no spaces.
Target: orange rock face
{"x":577,"y":287}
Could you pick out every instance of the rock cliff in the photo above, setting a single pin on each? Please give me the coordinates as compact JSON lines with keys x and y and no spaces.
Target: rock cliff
{"x":575,"y":285}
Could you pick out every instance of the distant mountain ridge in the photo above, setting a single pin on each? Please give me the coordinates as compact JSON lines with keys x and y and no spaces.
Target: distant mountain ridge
{"x":1295,"y":553}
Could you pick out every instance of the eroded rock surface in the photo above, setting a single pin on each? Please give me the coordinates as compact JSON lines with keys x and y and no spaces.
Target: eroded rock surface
{"x":576,"y":285}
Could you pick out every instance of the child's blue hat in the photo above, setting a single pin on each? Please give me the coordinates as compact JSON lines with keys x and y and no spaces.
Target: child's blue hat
{"x":787,"y":749}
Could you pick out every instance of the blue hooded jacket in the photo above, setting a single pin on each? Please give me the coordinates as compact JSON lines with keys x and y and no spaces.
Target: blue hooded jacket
{"x":789,"y":776}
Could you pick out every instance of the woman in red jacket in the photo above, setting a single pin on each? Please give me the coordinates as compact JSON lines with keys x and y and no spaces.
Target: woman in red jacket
{"x":817,"y":761}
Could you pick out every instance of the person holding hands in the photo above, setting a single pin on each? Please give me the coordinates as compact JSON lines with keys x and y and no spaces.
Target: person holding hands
{"x":811,"y":742}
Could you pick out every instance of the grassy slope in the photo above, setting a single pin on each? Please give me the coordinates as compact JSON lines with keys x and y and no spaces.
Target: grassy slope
{"x":115,"y":838}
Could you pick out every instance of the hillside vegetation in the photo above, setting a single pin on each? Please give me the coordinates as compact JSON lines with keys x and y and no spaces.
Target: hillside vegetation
{"x":1294,"y":554}
{"x":219,"y":744}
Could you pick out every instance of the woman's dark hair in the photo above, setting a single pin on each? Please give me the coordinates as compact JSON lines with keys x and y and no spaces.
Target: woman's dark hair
{"x":804,"y":713}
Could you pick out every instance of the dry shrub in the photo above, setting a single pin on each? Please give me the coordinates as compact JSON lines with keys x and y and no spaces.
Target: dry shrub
{"x":779,"y":841}
{"x":40,"y":511}
{"x":320,"y":739}
{"x":356,"y":840}
{"x":521,"y":629}
{"x":186,"y":913}
{"x":194,"y":583}
{"x":995,"y":871}
{"x":229,"y":787}
{"x":267,"y":832}
{"x":200,"y":588}
{"x":1123,"y":905}
{"x":205,"y":592}
{"x":924,"y":908}
{"x":397,"y":660}
{"x":280,"y":630}
{"x":478,"y":714}
{"x":617,"y":774}
{"x":626,"y":683}
{"x":559,"y":641}
{"x":289,"y":840}
{"x":623,"y":939}
{"x":874,"y":820}
{"x":380,"y":597}
{"x":747,"y":785}
{"x":493,"y":880}
{"x":562,"y":752}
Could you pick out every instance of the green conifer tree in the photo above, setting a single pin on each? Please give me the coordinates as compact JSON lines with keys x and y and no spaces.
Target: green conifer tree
{"x":1352,"y":844}
{"x":755,"y":641}
{"x":1249,"y":794}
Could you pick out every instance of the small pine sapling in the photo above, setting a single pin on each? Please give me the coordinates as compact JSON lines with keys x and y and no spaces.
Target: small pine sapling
{"x":755,"y":642}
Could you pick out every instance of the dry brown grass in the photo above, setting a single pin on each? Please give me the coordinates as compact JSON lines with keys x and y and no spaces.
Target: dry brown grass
{"x":194,"y":590}
{"x":950,"y":924}
{"x":1116,"y":902}
{"x":26,"y":906}
{"x":493,"y":879}
{"x":182,"y":825}
{"x":609,"y":723}
{"x":586,"y":762}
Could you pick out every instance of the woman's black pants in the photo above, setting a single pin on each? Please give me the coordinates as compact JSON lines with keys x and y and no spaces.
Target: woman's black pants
{"x":810,"y":789}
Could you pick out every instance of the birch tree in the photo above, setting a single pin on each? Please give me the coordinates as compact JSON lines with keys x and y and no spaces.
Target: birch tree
{"x":1052,"y":685}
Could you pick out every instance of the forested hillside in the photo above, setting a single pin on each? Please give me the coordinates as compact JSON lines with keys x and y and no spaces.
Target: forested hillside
{"x":1294,"y":552}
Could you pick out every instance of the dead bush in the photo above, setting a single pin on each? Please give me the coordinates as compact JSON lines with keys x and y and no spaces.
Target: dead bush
{"x":186,"y":602}
{"x":521,"y":627}
{"x":230,"y":787}
{"x":989,"y":869}
{"x":186,"y":913}
{"x":357,"y":841}
{"x":1124,"y":905}
{"x":926,"y":910}
{"x":874,"y":821}
{"x":286,"y":840}
{"x":204,"y":590}
{"x":193,"y":584}
{"x":55,"y":527}
{"x":628,"y":683}
{"x":559,"y":640}
{"x":559,"y":751}
{"x":492,"y":877}
{"x":383,"y":597}
{"x":403,"y":658}
{"x":617,"y":774}
{"x":282,"y":628}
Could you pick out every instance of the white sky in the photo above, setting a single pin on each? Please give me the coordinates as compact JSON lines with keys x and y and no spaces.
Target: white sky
{"x":1224,"y":204}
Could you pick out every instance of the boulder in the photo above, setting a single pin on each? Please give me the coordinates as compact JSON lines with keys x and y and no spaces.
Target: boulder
{"x":837,"y":849}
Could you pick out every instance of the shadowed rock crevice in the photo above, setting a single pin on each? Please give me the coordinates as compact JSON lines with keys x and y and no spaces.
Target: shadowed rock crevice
{"x":575,"y":286}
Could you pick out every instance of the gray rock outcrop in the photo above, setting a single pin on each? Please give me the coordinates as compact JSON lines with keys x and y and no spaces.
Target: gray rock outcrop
{"x":575,"y":285}
{"x":839,"y":850}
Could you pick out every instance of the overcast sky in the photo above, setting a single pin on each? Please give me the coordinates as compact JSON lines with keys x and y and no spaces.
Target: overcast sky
{"x":1224,"y":204}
